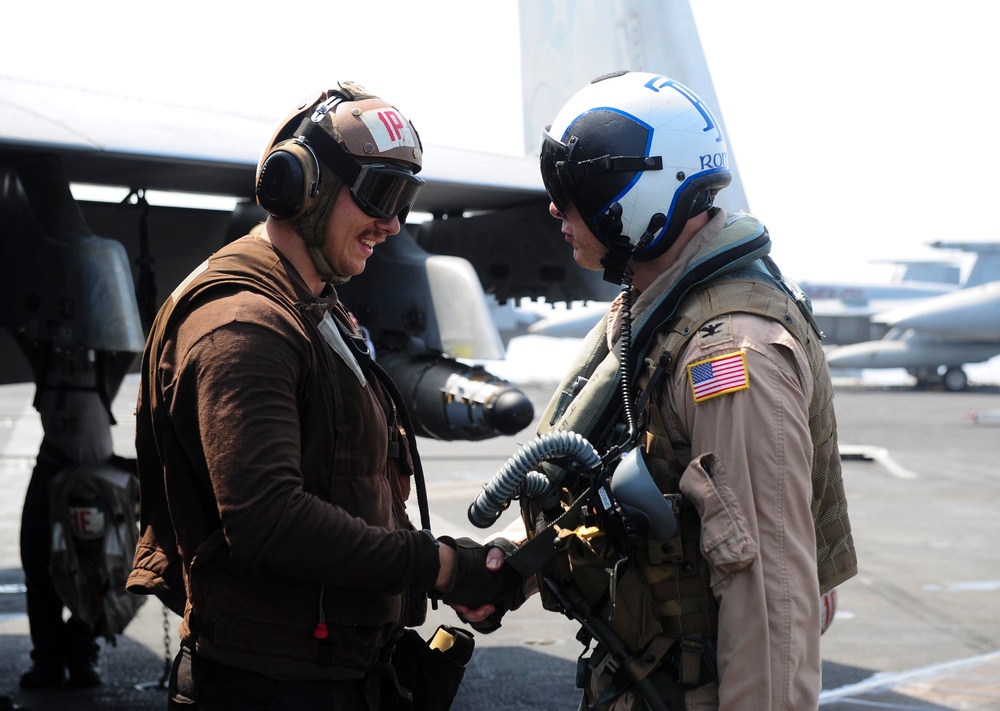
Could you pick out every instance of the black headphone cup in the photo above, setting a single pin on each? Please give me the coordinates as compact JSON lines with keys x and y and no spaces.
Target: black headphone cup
{"x":282,"y":188}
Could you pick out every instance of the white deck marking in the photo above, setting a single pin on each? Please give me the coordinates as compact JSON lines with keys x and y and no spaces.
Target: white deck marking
{"x":889,"y":680}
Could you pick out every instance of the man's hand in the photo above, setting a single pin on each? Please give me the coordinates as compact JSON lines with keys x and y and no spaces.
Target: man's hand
{"x":473,"y":583}
{"x":494,"y":560}
{"x":486,"y":617}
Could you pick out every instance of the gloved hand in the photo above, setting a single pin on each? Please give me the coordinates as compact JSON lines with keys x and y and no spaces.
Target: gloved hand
{"x":473,"y":584}
{"x":505,"y":585}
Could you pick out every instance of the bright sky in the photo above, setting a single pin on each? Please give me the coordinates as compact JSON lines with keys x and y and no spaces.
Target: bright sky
{"x":862,"y":129}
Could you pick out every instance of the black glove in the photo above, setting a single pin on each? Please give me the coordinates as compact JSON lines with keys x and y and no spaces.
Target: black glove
{"x":513,"y":600}
{"x":473,"y":584}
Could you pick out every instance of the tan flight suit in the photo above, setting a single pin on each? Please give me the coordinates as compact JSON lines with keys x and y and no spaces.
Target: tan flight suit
{"x":768,"y":593}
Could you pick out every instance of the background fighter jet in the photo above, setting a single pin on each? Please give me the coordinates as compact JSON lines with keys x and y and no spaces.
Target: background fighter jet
{"x":927,"y":321}
{"x":933,"y":338}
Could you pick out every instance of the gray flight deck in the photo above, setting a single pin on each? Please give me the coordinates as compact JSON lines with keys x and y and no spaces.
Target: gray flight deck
{"x":918,"y":628}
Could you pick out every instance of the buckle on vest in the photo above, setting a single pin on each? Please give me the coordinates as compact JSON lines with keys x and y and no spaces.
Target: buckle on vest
{"x":689,"y":666}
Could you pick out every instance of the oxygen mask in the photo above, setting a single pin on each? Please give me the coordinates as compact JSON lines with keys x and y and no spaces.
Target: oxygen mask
{"x":633,"y":487}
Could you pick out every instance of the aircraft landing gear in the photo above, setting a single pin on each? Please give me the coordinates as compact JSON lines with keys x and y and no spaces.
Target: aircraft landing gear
{"x":952,"y":377}
{"x":955,"y":380}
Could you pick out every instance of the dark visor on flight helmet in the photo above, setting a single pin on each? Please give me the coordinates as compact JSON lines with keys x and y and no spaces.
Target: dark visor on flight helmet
{"x":553,"y":159}
{"x":385,"y":191}
{"x":562,"y":176}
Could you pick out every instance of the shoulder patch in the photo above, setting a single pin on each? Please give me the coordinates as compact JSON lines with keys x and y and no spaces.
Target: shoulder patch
{"x":718,"y":376}
{"x":718,"y":330}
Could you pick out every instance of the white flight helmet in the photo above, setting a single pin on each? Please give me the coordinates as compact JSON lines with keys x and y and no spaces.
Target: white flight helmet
{"x":638,"y":154}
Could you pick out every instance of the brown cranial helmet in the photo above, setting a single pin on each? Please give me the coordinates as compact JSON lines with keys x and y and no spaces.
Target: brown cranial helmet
{"x":340,"y":136}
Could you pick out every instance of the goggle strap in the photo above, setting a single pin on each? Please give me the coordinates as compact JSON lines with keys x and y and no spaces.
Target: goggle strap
{"x":329,"y":151}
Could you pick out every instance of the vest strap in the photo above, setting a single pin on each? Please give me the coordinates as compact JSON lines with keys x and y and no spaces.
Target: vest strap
{"x":690,"y":663}
{"x":541,"y":548}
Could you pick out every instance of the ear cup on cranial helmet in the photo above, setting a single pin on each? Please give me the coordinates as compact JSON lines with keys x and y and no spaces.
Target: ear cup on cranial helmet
{"x":288,"y":180}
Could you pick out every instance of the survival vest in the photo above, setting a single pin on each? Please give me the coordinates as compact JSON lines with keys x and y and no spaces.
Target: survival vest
{"x":158,"y":567}
{"x":661,"y":602}
{"x":94,"y":515}
{"x":835,"y":555}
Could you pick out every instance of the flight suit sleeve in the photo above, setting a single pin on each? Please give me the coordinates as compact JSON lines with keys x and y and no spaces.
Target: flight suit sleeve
{"x":740,"y":397}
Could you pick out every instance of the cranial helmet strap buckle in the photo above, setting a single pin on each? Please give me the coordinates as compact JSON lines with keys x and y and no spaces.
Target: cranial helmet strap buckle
{"x":325,"y":107}
{"x":336,"y":96}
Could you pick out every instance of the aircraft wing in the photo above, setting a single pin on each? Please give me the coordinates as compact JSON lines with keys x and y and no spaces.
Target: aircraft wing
{"x":105,"y":139}
{"x":971,"y":314}
{"x":844,"y":312}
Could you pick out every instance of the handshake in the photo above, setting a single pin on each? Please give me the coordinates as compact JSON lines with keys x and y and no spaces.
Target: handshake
{"x":473,"y":585}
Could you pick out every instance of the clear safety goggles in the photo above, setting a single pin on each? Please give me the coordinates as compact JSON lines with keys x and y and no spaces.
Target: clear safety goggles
{"x":385,"y":191}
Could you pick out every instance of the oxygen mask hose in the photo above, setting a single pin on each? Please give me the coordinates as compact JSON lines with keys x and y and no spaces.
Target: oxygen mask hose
{"x":656,"y":222}
{"x":629,"y":436}
{"x":497,"y":493}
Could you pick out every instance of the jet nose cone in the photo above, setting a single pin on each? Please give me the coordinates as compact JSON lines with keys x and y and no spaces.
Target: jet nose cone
{"x":510,"y":412}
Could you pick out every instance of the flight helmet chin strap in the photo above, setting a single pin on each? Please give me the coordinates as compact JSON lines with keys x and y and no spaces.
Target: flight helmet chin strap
{"x":617,"y":262}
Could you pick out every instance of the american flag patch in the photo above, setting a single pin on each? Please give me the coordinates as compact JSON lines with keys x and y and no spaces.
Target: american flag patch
{"x":717,"y":376}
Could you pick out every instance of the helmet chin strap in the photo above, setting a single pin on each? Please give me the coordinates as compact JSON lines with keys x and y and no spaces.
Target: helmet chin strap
{"x":620,"y":251}
{"x":312,"y":228}
{"x":326,"y":272}
{"x":615,"y":261}
{"x":607,"y":228}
